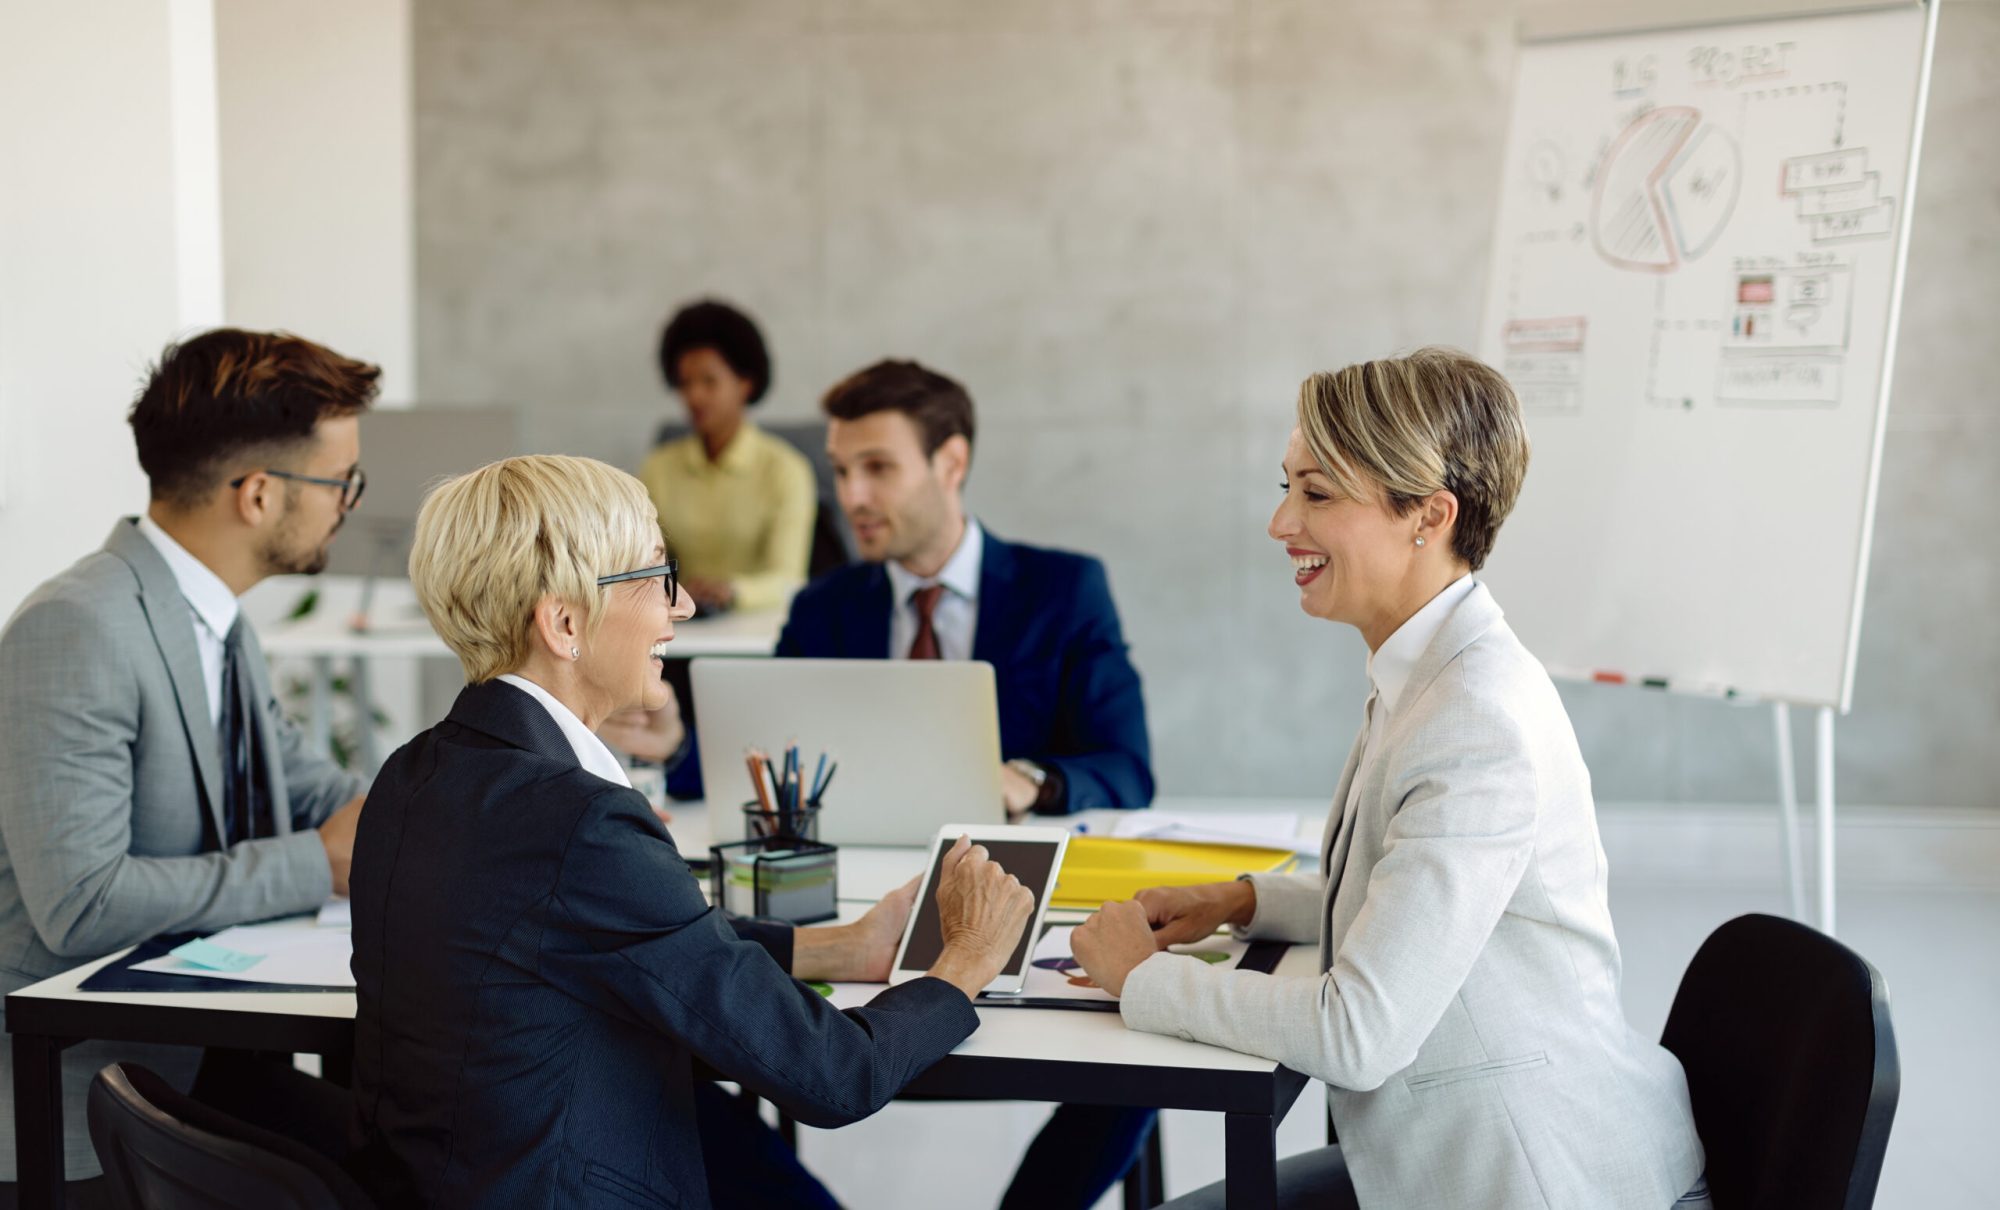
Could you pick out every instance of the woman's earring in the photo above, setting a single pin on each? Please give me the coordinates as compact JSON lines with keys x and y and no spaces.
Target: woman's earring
{"x":1420,"y":541}
{"x":577,"y":655}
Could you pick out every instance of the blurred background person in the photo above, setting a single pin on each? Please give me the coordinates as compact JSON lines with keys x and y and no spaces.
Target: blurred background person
{"x":739,"y":502}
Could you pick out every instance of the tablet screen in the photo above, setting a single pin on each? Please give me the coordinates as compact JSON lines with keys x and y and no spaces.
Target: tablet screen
{"x":1027,"y":860}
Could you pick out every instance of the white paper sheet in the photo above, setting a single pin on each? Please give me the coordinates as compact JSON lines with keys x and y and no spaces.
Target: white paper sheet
{"x":336,"y":913}
{"x":1263,"y":829}
{"x":294,"y":952}
{"x":1045,"y":982}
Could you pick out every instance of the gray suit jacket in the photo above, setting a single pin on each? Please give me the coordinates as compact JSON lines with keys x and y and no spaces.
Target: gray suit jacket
{"x":1468,"y":1024}
{"x":111,"y":795}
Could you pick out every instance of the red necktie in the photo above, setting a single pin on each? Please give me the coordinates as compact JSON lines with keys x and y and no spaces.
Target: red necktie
{"x":924,"y":601}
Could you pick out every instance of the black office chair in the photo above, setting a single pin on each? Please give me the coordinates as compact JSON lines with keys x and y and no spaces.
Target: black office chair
{"x":1791,"y":1061}
{"x":162,"y":1150}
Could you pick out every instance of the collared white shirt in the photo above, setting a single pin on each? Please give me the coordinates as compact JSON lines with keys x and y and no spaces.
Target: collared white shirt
{"x":1391,"y":664}
{"x":956,"y":616}
{"x":590,"y":750}
{"x":209,"y":599}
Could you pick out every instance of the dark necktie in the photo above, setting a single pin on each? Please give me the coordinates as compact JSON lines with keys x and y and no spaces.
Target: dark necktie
{"x":924,"y":601}
{"x":243,"y":808}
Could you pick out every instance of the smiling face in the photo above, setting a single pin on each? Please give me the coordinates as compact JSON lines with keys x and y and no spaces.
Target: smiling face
{"x":621,"y":663}
{"x":1354,"y":561}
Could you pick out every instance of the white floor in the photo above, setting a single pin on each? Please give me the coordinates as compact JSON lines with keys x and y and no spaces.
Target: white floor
{"x":1934,"y":941}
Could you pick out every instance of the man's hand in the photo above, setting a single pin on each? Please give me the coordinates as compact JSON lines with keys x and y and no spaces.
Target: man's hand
{"x":651,"y":735}
{"x":1111,"y":943}
{"x":337,"y":834}
{"x":711,"y":594}
{"x":1017,"y":792}
{"x":859,"y":952}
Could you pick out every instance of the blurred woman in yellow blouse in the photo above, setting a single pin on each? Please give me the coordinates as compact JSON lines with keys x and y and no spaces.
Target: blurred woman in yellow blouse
{"x":739,"y":502}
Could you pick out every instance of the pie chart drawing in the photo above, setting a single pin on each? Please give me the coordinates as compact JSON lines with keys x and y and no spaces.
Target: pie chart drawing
{"x":1665,"y":192}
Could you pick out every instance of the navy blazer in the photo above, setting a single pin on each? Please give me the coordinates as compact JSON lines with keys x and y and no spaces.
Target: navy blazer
{"x":536,"y":971}
{"x":1068,"y":695}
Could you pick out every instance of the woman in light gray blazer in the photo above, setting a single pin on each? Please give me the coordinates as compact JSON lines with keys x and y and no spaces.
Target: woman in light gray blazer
{"x":1467,"y":1021}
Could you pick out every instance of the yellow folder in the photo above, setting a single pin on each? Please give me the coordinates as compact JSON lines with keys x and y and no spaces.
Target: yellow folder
{"x":1099,"y":868}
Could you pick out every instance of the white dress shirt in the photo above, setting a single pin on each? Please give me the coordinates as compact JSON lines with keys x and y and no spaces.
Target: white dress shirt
{"x":213,"y":605}
{"x":1390,"y":665}
{"x":957,"y":613}
{"x":590,"y":750}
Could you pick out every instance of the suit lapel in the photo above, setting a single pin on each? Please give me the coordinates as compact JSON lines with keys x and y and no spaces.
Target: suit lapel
{"x":512,"y":716}
{"x":1473,"y":617}
{"x":171,"y":620}
{"x":1340,"y":827}
{"x":994,"y":637}
{"x":869,"y":620}
{"x":264,"y":716}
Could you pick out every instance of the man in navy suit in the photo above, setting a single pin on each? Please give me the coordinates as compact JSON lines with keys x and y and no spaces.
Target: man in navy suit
{"x":935,"y":585}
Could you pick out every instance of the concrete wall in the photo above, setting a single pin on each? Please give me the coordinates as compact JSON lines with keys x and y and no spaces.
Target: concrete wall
{"x":1130,"y":228}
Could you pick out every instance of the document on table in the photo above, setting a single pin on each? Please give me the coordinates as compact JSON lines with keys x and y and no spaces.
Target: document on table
{"x":336,"y":913}
{"x":289,"y":952}
{"x":1263,"y":829}
{"x":1049,"y":968}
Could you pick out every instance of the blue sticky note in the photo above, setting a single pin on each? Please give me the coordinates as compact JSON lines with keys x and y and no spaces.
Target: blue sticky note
{"x":203,"y":952}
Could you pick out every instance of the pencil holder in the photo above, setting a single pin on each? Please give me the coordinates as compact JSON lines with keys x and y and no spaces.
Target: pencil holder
{"x":777,"y":878}
{"x":759,"y":824}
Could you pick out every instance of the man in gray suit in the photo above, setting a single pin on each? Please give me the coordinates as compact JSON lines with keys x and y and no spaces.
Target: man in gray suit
{"x":148,"y":782}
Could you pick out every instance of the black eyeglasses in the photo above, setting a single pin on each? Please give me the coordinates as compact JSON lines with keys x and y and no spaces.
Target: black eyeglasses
{"x":350,"y":487}
{"x":670,"y":570}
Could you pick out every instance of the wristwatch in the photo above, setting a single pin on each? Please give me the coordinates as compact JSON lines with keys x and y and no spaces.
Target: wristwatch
{"x":1030,"y":770}
{"x":1038,"y":774}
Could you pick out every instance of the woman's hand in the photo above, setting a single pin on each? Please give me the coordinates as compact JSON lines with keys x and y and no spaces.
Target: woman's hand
{"x":1181,"y":914}
{"x":982,"y":910}
{"x":859,"y":952}
{"x":1111,"y":944}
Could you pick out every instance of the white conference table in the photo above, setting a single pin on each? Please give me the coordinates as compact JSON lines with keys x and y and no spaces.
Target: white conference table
{"x":1020,"y":1054}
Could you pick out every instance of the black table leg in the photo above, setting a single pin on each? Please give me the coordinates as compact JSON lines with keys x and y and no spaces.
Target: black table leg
{"x":38,"y":1121}
{"x":1250,"y":1161}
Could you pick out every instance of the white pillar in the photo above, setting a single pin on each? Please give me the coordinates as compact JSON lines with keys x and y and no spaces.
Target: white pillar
{"x":100,"y":259}
{"x":318,"y":190}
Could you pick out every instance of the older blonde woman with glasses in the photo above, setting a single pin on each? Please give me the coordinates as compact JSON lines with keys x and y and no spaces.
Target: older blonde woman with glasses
{"x":1466,"y":1017}
{"x":536,"y":969}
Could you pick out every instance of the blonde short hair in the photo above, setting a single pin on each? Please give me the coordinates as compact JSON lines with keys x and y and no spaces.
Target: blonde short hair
{"x":1437,"y":420}
{"x":491,"y":543}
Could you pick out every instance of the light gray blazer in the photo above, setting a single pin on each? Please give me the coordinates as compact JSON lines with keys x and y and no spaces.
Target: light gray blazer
{"x":110,"y":784}
{"x":1468,"y":1024}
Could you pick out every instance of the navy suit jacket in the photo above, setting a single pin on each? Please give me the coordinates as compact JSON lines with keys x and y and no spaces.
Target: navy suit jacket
{"x":1068,"y":695}
{"x":536,"y":972}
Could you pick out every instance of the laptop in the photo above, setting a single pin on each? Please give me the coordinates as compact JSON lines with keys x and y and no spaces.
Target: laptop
{"x":917,"y":741}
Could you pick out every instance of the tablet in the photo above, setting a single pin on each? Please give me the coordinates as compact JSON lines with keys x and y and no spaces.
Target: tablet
{"x":1033,"y":855}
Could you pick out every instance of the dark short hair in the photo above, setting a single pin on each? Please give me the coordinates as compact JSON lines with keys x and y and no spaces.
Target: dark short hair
{"x":938,"y":406}
{"x":229,"y":393}
{"x":732,"y":334}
